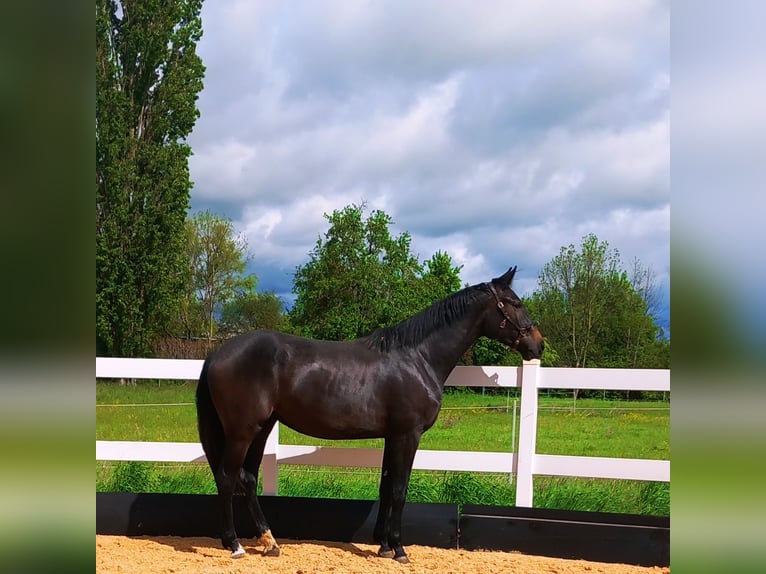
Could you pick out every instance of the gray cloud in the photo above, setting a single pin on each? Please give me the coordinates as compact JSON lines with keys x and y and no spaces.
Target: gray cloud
{"x":496,"y":131}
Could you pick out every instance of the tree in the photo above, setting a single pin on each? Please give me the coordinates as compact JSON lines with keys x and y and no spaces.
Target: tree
{"x":643,"y":280}
{"x":573,"y":288}
{"x":249,"y":310}
{"x":591,"y":312}
{"x":441,"y":278}
{"x":148,"y":77}
{"x":628,"y":330}
{"x":217,"y":260}
{"x":359,"y":277}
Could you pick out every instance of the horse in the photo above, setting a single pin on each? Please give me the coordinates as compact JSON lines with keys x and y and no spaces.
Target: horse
{"x":387,"y":384}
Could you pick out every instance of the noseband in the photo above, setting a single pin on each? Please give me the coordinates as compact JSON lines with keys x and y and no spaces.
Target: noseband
{"x":522,"y":331}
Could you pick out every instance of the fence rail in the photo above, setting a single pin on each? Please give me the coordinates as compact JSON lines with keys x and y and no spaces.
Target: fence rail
{"x":525,"y":463}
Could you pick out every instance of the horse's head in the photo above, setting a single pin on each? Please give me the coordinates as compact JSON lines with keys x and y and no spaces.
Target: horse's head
{"x":508,"y":320}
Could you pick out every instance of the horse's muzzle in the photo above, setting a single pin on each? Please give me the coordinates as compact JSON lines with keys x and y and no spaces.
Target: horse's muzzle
{"x":532,"y":345}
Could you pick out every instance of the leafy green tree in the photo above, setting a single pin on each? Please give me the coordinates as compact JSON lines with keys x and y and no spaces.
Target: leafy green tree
{"x":440,"y":278}
{"x":148,"y":77}
{"x":249,"y":310}
{"x":217,"y":259}
{"x":573,"y":292}
{"x":359,"y":277}
{"x":643,"y":280}
{"x":590,"y":311}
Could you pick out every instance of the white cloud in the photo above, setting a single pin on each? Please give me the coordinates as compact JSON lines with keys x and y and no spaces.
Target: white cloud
{"x":220,"y":168}
{"x":495,"y":131}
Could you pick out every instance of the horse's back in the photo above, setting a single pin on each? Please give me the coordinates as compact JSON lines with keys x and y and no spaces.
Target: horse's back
{"x":248,"y":348}
{"x":265,"y":358}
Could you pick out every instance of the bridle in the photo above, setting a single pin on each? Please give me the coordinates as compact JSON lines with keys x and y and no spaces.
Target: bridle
{"x":522,"y":331}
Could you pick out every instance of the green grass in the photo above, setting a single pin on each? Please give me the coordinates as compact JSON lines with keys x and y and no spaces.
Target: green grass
{"x":146,"y":423}
{"x":468,"y":421}
{"x":138,"y":476}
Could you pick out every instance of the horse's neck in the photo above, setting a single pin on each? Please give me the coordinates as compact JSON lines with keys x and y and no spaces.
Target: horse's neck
{"x":443,"y":348}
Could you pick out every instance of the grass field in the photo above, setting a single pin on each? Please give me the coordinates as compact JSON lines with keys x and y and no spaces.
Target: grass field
{"x":152,"y":411}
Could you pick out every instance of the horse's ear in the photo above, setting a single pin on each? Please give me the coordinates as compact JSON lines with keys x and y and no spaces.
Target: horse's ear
{"x":506,"y":278}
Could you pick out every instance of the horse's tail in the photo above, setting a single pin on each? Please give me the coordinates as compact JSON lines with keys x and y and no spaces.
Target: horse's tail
{"x":211,"y":433}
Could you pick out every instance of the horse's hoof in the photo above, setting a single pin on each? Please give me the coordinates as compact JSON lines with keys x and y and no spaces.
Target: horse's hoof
{"x":386,"y":553}
{"x":270,"y":546}
{"x":402,"y":559}
{"x":238,"y":553}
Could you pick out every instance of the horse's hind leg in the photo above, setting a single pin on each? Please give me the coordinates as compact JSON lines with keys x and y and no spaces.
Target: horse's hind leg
{"x":226,"y":478}
{"x":380,"y":533}
{"x":250,"y":480}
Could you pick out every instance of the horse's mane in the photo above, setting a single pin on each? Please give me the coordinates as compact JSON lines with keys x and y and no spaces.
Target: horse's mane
{"x":411,"y":332}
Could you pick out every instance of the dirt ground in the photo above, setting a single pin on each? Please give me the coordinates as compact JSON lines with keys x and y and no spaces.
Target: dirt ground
{"x":145,"y":555}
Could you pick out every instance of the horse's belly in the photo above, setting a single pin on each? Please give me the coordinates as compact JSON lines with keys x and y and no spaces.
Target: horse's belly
{"x":359,"y":401}
{"x":333,"y":425}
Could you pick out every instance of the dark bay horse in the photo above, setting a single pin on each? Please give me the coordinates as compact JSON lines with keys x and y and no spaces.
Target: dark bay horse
{"x":386,"y":385}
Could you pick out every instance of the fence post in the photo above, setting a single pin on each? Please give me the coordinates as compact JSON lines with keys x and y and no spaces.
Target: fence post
{"x":514,"y":447}
{"x":527,"y":433}
{"x":269,"y":464}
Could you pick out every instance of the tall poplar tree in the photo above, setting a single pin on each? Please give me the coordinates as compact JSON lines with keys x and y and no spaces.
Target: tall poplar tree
{"x":148,"y":77}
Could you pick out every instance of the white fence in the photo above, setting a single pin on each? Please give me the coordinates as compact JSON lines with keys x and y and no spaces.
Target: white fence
{"x":525,"y":463}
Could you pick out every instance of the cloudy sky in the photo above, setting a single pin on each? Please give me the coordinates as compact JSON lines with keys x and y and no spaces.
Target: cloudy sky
{"x":497,"y":131}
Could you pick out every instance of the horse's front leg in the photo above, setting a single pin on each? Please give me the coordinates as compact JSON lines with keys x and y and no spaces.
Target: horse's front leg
{"x":400,"y":468}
